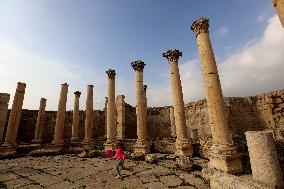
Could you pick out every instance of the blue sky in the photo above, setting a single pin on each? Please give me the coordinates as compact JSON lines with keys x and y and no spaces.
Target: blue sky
{"x":48,"y":42}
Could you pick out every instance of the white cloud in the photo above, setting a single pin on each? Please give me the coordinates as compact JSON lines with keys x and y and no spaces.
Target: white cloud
{"x":43,"y":77}
{"x":257,"y":68}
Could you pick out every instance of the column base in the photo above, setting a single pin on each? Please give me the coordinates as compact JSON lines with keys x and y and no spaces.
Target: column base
{"x":142,"y":147}
{"x":226,"y":160}
{"x":58,"y":142}
{"x":37,"y":141}
{"x":74,"y":140}
{"x":88,"y":144}
{"x":184,"y":148}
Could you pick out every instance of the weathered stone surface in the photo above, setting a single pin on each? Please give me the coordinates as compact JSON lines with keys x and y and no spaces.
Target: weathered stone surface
{"x":151,"y":158}
{"x":184,"y":163}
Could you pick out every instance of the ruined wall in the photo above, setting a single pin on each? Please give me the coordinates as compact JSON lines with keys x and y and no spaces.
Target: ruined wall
{"x":259,"y":112}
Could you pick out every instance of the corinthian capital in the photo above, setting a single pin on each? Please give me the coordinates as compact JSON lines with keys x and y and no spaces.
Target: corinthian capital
{"x":111,"y":73}
{"x":138,"y":65}
{"x":200,"y":25}
{"x":172,"y":55}
{"x":77,"y":93}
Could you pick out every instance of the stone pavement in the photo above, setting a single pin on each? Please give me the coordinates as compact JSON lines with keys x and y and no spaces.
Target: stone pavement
{"x":70,"y":171}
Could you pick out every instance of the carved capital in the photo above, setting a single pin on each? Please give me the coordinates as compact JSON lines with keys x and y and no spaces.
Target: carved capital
{"x":172,"y":55}
{"x":138,"y":65}
{"x":200,"y":25}
{"x":77,"y":93}
{"x":111,"y":73}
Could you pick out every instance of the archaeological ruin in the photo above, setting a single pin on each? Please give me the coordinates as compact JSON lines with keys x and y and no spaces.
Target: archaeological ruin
{"x":225,"y":142}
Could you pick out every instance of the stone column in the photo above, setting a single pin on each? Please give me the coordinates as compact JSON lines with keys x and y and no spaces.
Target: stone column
{"x":4,"y":100}
{"x":142,"y":144}
{"x":111,"y":111}
{"x":279,"y":7}
{"x":173,"y":126}
{"x":76,"y":118}
{"x":223,"y":152}
{"x":105,"y":109}
{"x":39,"y":122}
{"x":183,"y":145}
{"x":60,"y":118}
{"x":263,"y":158}
{"x":89,"y":121}
{"x":145,"y":108}
{"x":120,"y":118}
{"x":15,"y":115}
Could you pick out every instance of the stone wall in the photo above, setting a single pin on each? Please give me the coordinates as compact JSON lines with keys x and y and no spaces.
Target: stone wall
{"x":259,"y":112}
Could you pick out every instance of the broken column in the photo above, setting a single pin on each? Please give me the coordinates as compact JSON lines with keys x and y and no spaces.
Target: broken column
{"x":120,"y":117}
{"x":142,"y":144}
{"x":89,"y":123}
{"x":173,"y":126}
{"x":194,"y":135}
{"x":39,"y":122}
{"x":4,"y":100}
{"x":263,"y":158}
{"x":183,"y":145}
{"x":15,"y":115}
{"x":76,"y":118}
{"x":223,"y":155}
{"x":279,"y":7}
{"x":111,"y":121}
{"x":60,"y":118}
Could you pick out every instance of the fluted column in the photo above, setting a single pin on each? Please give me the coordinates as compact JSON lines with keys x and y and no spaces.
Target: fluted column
{"x":222,"y":145}
{"x":76,"y":117}
{"x":89,"y":116}
{"x":15,"y":115}
{"x":60,"y":119}
{"x":4,"y":100}
{"x":39,"y":122}
{"x":142,"y":144}
{"x":183,"y":144}
{"x":279,"y":7}
{"x":120,"y":117}
{"x":111,"y":111}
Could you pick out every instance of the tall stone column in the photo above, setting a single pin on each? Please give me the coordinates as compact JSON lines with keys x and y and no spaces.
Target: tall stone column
{"x":142,"y":144}
{"x":60,"y":118}
{"x":173,"y":125}
{"x":4,"y":100}
{"x":76,"y":118}
{"x":145,"y":108}
{"x":89,"y":121}
{"x":263,"y":158}
{"x":15,"y":115}
{"x":223,"y":154}
{"x":120,"y":117}
{"x":39,"y":122}
{"x":111,"y":111}
{"x":279,"y":7}
{"x":183,"y":144}
{"x":105,"y":109}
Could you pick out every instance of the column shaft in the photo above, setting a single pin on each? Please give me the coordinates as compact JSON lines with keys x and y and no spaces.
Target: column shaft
{"x":89,"y":115}
{"x":263,"y":158}
{"x":40,"y":121}
{"x":15,"y":115}
{"x":111,"y":123}
{"x":60,"y":119}
{"x":76,"y":117}
{"x":279,"y":7}
{"x":4,"y":100}
{"x":120,"y":118}
{"x":173,"y":126}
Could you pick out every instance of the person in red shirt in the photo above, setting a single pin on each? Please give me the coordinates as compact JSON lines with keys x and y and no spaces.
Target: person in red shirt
{"x":120,"y":157}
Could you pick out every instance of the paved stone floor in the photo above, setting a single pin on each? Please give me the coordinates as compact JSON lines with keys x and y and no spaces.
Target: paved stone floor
{"x":70,"y":171}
